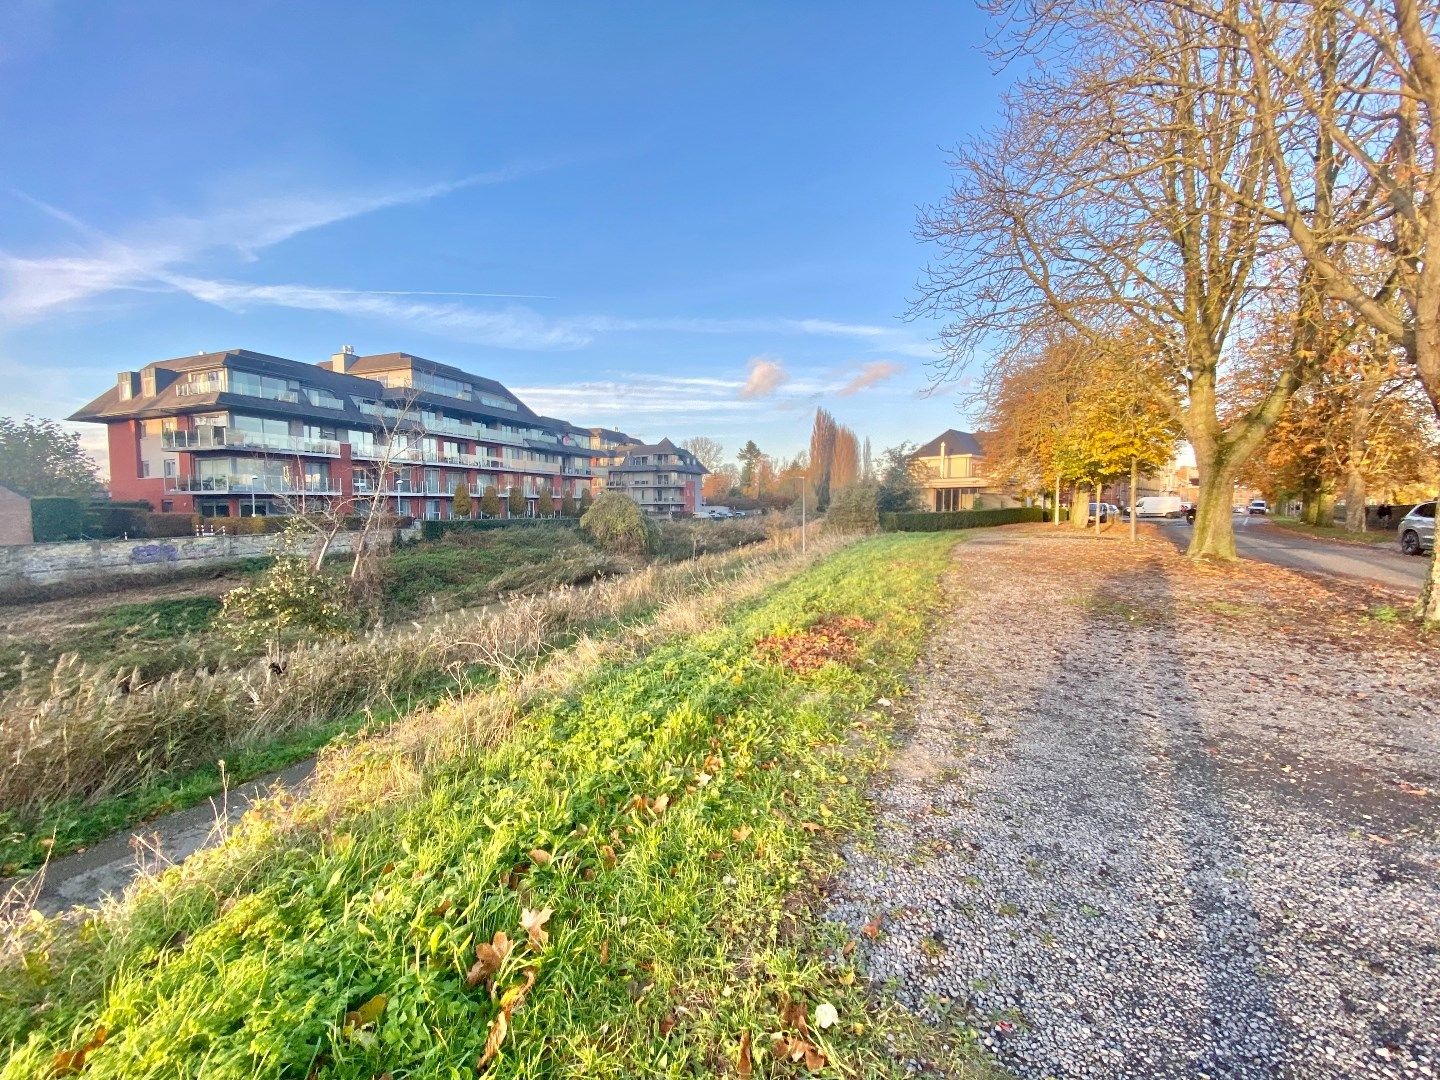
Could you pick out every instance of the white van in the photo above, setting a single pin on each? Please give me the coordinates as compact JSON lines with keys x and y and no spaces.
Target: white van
{"x":1168,"y":506}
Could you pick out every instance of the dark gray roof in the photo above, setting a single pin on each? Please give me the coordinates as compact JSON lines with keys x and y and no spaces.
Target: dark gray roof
{"x":956,"y":442}
{"x":168,"y":401}
{"x":688,"y":462}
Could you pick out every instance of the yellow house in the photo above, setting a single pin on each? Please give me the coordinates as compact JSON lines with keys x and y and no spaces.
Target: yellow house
{"x":952,"y":467}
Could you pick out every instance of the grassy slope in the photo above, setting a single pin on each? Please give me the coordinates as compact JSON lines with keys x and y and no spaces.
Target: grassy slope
{"x":659,"y":958}
{"x":163,"y":636}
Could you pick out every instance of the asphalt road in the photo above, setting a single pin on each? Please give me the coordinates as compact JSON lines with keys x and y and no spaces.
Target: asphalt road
{"x":1257,"y":538}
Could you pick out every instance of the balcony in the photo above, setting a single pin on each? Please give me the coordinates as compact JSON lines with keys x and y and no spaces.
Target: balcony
{"x":247,"y":485}
{"x":230,"y":439}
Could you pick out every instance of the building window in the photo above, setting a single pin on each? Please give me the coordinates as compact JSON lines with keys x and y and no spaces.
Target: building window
{"x":144,"y":468}
{"x":170,"y":467}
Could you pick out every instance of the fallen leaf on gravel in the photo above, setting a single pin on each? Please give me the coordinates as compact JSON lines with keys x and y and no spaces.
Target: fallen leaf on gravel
{"x":872,"y":928}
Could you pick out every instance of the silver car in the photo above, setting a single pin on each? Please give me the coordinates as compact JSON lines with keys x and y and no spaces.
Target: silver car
{"x":1417,"y":530}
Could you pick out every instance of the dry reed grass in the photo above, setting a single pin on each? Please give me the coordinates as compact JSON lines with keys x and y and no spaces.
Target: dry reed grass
{"x":79,"y":732}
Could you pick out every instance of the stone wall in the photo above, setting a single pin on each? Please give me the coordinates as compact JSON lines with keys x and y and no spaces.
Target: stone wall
{"x":43,"y":564}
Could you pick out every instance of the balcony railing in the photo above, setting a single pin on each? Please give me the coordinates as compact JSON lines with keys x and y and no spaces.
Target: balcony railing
{"x":231,"y":439}
{"x":268,"y":485}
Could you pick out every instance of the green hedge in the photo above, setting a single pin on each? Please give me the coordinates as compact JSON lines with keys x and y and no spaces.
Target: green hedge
{"x":434,"y":530}
{"x":106,"y":521}
{"x":959,"y":519}
{"x":55,"y":517}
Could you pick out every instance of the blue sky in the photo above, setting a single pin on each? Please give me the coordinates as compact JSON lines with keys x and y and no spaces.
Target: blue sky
{"x":681,"y":220}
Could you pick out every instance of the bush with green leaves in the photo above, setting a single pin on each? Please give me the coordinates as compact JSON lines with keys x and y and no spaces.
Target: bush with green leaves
{"x":291,"y":595}
{"x":616,"y":524}
{"x":926,"y":521}
{"x":515,"y":502}
{"x":490,"y":502}
{"x":853,"y":509}
{"x":463,"y":504}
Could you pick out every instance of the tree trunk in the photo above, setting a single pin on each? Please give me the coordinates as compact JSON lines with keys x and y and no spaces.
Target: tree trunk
{"x":1354,"y":499}
{"x":1429,"y":607}
{"x":1056,"y":508}
{"x":1079,"y":519}
{"x":1097,"y":509}
{"x":1134,"y":488}
{"x":1362,"y":411}
{"x":1214,"y":533}
{"x":1310,"y":501}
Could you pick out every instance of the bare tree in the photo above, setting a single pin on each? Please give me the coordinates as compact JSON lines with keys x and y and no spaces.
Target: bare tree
{"x":1347,"y":92}
{"x":1123,"y":190}
{"x":710,"y":452}
{"x":845,"y":462}
{"x":822,"y":455}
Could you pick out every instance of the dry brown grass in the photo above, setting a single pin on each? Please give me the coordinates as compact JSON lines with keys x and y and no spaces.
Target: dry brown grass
{"x":78,"y":732}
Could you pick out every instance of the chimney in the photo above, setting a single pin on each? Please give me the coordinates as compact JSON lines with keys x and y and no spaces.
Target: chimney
{"x":342,"y":360}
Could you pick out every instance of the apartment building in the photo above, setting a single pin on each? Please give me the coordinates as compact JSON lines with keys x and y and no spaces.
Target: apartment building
{"x":663,"y":478}
{"x":241,"y":433}
{"x":953,"y":464}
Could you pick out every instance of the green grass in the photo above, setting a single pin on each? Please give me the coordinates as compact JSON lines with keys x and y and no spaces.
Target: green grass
{"x":1331,"y":532}
{"x":464,"y":568}
{"x":144,"y":635}
{"x":675,"y":934}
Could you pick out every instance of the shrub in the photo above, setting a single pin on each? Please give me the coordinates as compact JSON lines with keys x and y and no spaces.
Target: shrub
{"x":853,"y":510}
{"x":490,"y":502}
{"x":567,"y":506}
{"x":290,"y":594}
{"x":618,"y":525}
{"x":545,"y":505}
{"x":105,"y":520}
{"x":169,"y":524}
{"x":463,"y":504}
{"x":57,"y":517}
{"x":959,"y":519}
{"x":515,"y":502}
{"x":436,"y":530}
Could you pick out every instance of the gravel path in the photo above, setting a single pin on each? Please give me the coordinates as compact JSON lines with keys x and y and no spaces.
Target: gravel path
{"x":1156,"y":821}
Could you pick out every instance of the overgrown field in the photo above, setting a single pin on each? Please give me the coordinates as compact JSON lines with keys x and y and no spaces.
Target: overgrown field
{"x":127,"y":716}
{"x":600,"y":870}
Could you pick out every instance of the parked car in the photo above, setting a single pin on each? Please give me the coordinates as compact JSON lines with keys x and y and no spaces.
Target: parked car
{"x":1104,"y":509}
{"x":1258,"y":506}
{"x":1417,"y":530}
{"x":1168,"y":506}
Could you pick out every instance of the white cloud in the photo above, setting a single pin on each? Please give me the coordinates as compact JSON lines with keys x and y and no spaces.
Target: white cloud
{"x":765,"y":378}
{"x":147,"y":255}
{"x":512,"y":327}
{"x":164,"y":255}
{"x":877,"y":371}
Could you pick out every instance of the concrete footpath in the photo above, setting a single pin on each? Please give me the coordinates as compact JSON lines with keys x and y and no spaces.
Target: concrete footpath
{"x":84,"y":878}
